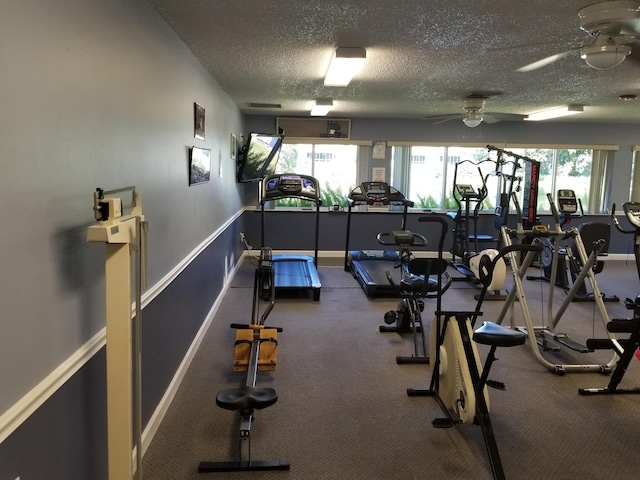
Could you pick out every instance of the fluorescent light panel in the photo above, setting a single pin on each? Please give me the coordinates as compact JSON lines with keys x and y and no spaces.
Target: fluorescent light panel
{"x":321,"y":108}
{"x":345,"y":63}
{"x":555,"y":113}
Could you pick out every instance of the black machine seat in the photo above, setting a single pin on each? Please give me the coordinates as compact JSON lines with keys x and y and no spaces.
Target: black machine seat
{"x":246,"y":398}
{"x":498,"y":336}
{"x":591,"y":233}
{"x":419,"y":269}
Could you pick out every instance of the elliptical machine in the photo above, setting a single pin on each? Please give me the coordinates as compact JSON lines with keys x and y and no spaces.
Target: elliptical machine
{"x":255,"y":349}
{"x":466,"y":256}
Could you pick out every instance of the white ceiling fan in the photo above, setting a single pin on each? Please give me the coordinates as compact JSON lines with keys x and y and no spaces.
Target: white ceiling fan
{"x":474,"y":115}
{"x":613,"y":26}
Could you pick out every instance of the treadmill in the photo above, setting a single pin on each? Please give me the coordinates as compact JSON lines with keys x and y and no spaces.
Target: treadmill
{"x":293,"y":272}
{"x":369,"y":267}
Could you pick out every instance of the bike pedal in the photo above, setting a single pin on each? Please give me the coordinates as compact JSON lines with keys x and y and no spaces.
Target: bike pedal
{"x":496,"y":385}
{"x":443,"y":422}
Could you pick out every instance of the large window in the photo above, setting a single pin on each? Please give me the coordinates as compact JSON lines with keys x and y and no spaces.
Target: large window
{"x":433,"y":170}
{"x":334,"y":166}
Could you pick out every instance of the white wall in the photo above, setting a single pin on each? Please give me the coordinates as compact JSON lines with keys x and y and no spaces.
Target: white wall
{"x":93,"y":93}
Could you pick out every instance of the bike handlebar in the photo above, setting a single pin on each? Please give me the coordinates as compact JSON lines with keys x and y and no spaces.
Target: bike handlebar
{"x":617,"y":223}
{"x":402,"y":238}
{"x":253,"y":326}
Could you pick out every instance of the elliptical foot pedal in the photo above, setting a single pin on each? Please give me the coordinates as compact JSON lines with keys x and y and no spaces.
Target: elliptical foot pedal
{"x":563,"y":339}
{"x":443,"y":422}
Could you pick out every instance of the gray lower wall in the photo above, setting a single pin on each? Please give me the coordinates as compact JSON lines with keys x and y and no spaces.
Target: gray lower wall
{"x":294,"y":230}
{"x":66,"y":437}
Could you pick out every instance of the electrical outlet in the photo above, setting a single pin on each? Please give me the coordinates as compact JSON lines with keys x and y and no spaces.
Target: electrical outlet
{"x":242,"y":237}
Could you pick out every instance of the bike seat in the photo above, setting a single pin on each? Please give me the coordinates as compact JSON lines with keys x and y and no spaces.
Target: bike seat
{"x":246,"y":397}
{"x":498,"y":336}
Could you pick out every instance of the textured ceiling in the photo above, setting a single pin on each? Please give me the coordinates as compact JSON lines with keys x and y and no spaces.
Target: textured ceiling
{"x":423,"y":57}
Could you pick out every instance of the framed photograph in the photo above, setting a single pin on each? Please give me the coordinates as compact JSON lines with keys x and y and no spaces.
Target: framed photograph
{"x":199,"y":165}
{"x":234,"y":147}
{"x":198,"y":121}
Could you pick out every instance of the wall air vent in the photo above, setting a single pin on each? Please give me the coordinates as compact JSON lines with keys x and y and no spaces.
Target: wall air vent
{"x":264,"y":105}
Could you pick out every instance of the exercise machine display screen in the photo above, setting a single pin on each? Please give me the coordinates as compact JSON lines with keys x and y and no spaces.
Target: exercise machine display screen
{"x":377,"y":193}
{"x":281,"y":186}
{"x":567,"y":202}
{"x":466,"y":190}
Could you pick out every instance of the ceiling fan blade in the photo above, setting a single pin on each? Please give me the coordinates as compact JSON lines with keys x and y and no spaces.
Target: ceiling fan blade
{"x":443,"y":118}
{"x":546,"y":61}
{"x":501,"y":117}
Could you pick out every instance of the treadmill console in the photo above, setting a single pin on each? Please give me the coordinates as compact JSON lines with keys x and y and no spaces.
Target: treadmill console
{"x":632,"y":211}
{"x":377,"y":193}
{"x":290,"y":186}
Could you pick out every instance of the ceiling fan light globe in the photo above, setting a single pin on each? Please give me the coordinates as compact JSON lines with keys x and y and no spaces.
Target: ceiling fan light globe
{"x":472,"y":122}
{"x":603,"y":57}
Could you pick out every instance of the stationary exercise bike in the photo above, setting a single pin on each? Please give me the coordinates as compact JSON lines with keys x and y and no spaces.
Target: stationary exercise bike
{"x":255,"y":349}
{"x":459,"y":382}
{"x":416,"y":284}
{"x":624,"y":348}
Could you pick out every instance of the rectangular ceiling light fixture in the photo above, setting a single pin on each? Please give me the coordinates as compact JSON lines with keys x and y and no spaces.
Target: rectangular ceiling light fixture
{"x":321,"y":108}
{"x":345,"y":63}
{"x":555,"y":113}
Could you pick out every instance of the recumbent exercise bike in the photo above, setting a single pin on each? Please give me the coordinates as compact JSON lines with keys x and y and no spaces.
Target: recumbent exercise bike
{"x":631,"y":326}
{"x":417,"y":282}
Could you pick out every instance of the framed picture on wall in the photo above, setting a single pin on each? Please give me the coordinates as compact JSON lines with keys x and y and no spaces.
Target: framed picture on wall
{"x":198,"y":121}
{"x":234,"y":147}
{"x":199,"y":165}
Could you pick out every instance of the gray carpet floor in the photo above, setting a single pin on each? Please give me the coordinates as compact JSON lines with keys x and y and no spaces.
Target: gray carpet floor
{"x":343,"y":412}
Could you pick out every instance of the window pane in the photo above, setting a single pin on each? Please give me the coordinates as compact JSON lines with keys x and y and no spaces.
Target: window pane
{"x":335,"y":169}
{"x":426,"y":167}
{"x":572,"y":170}
{"x":574,"y":173}
{"x":295,"y":159}
{"x":334,"y":166}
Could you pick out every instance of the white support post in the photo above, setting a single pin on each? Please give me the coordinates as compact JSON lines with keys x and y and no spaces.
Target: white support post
{"x":121,"y":235}
{"x":119,"y":360}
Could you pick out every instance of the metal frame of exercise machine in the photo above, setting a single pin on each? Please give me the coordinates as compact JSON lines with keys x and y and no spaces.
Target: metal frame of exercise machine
{"x":546,"y":335}
{"x":415,"y":285}
{"x":630,"y":326}
{"x":122,"y":236}
{"x":369,"y":267}
{"x":459,"y":381}
{"x":466,"y":219}
{"x":293,"y":272}
{"x":255,"y":349}
{"x":559,"y":259}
